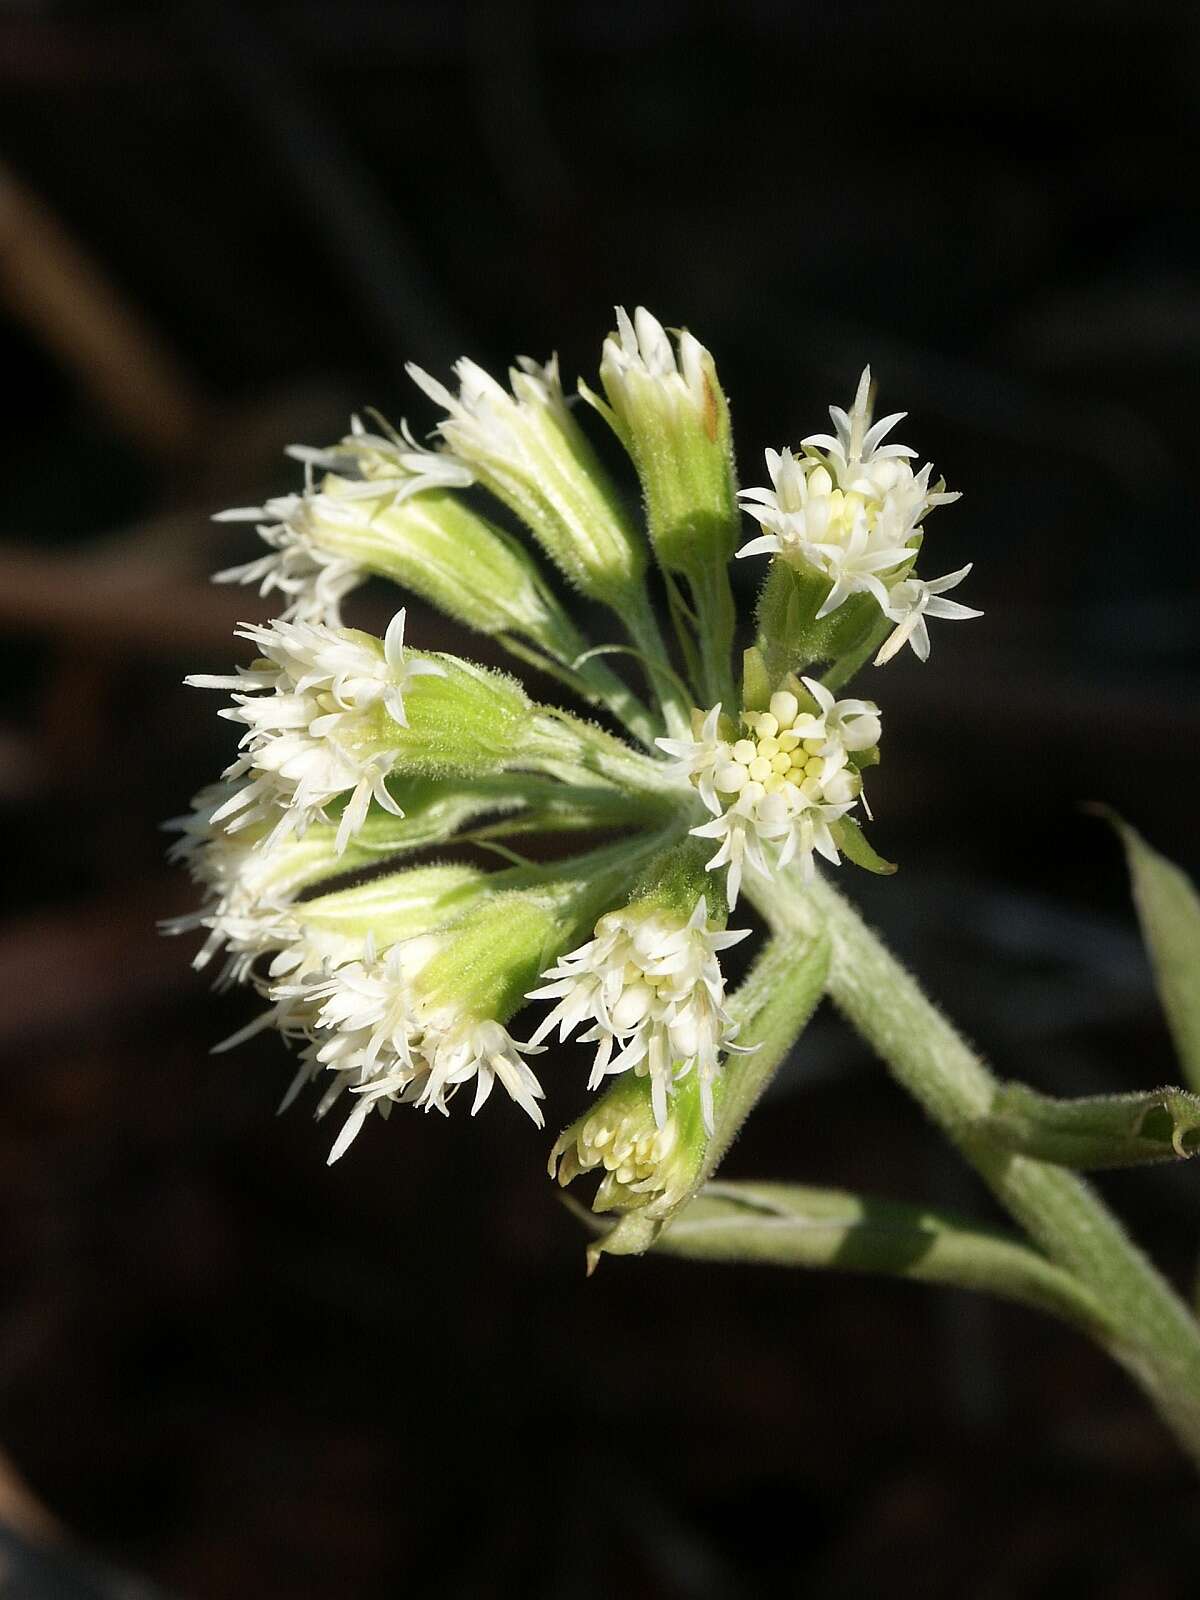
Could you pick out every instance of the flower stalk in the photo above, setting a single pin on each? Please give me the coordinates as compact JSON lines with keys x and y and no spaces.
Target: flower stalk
{"x":1150,"y":1330}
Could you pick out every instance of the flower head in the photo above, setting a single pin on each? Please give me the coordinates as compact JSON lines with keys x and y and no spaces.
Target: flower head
{"x":849,"y":508}
{"x":651,"y":984}
{"x":311,"y":708}
{"x":525,"y":446}
{"x":665,"y":404}
{"x":369,"y":1025}
{"x":779,"y":789}
{"x":313,"y":558}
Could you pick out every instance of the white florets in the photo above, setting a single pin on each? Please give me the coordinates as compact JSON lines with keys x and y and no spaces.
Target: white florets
{"x":485,"y":422}
{"x":850,"y":508}
{"x":368,"y":1024}
{"x":306,"y":534}
{"x":652,"y":985}
{"x":776,"y":791}
{"x":248,"y":890}
{"x":305,"y":706}
{"x":642,"y":350}
{"x":910,"y":602}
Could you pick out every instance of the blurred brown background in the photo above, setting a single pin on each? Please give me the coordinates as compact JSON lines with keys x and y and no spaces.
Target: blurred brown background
{"x":222,"y":226}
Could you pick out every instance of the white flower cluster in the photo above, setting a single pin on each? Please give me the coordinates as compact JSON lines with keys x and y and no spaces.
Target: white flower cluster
{"x":366,"y":1023}
{"x":402,"y":988}
{"x":247,"y":890}
{"x":303,"y":564}
{"x":307,"y":707}
{"x":780,"y":786}
{"x":850,"y":508}
{"x":652,"y":986}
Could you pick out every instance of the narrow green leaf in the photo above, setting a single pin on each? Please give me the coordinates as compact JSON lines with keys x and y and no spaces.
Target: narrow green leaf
{"x":791,"y":1226}
{"x":1169,"y":911}
{"x":1096,"y":1131}
{"x":852,"y":842}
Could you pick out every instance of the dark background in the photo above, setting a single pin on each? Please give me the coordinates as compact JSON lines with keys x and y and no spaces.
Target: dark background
{"x":223,"y":226}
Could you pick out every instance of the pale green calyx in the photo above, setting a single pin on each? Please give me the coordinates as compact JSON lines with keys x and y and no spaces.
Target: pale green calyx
{"x":668,"y":409}
{"x":527,"y":448}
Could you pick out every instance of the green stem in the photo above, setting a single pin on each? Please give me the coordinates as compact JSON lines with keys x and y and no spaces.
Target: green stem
{"x":592,"y":682}
{"x":642,"y":627}
{"x":771,"y":1007}
{"x":717,"y":619}
{"x":576,"y":751}
{"x":793,"y":1226}
{"x":1153,"y":1334}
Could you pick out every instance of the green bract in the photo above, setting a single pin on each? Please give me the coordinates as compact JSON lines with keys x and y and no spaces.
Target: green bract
{"x":464,"y":720}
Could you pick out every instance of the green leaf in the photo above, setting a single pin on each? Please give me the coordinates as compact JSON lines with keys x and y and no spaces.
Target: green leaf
{"x":791,"y":1226}
{"x":852,"y":842}
{"x":1169,"y":911}
{"x":1097,"y":1131}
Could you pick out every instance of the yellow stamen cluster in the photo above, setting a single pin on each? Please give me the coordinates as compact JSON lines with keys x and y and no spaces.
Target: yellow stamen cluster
{"x":777,"y":753}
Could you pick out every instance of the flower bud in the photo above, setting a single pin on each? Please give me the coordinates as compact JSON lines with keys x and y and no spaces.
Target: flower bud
{"x":669,"y":412}
{"x":342,"y":710}
{"x":528,"y":450}
{"x":642,"y":1165}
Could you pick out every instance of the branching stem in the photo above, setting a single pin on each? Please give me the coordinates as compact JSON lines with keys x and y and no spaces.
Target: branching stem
{"x":1154,"y":1336}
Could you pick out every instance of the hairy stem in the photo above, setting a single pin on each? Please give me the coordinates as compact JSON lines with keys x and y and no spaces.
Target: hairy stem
{"x":793,"y":1226}
{"x":1153,"y":1334}
{"x":642,"y":627}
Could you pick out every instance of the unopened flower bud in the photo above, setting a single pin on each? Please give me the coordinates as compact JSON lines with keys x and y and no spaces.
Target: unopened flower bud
{"x":527,"y":448}
{"x":665,"y":404}
{"x":642,"y":1165}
